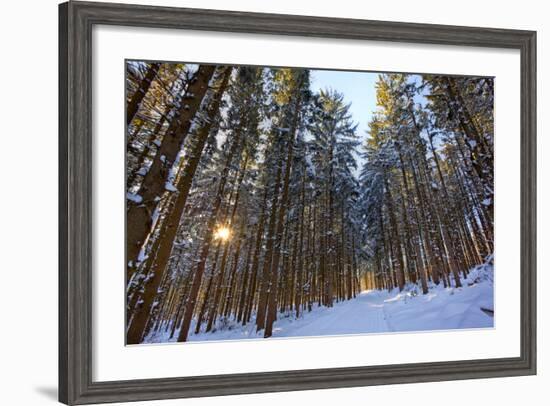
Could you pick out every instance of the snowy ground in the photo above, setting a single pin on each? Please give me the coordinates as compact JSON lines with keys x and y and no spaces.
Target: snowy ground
{"x":378,"y":312}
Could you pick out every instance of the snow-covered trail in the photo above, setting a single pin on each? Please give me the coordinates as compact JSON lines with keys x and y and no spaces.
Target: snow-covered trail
{"x":364,"y":314}
{"x":375,"y":311}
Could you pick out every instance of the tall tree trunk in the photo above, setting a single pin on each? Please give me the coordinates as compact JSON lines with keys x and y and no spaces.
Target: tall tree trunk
{"x":138,"y":223}
{"x":273,"y":274}
{"x":299,"y":282}
{"x":266,"y":278}
{"x":272,"y":301}
{"x":400,"y":272}
{"x":205,"y":302}
{"x":256,"y":259}
{"x":245,"y":280}
{"x":139,"y":320}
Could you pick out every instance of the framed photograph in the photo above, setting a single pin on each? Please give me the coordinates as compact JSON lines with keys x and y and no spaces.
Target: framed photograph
{"x":260,"y":202}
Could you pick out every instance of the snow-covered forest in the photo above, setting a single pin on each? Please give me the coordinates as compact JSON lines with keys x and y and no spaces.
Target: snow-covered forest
{"x":256,"y":208}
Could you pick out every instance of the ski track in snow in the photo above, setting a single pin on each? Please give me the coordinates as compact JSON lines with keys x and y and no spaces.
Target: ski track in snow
{"x":364,"y":314}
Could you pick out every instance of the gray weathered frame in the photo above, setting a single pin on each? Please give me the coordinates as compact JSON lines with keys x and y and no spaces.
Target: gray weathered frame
{"x":75,"y":208}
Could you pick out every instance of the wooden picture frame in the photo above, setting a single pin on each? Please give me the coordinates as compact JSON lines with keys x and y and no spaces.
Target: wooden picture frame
{"x":76,"y":20}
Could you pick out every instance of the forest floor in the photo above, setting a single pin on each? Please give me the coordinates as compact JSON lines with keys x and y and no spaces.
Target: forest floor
{"x":376,"y":311}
